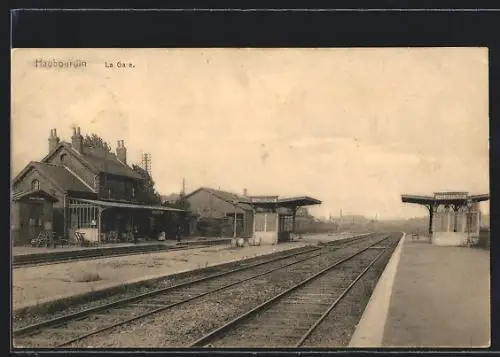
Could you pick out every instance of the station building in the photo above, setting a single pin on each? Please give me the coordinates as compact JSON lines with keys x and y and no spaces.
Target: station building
{"x":454,"y":217}
{"x":93,"y":191}
{"x":270,"y":219}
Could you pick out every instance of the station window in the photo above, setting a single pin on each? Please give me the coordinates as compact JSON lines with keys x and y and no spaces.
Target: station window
{"x":35,"y":185}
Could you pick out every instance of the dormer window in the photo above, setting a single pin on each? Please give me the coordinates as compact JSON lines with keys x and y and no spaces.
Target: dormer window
{"x":62,"y":158}
{"x":35,"y":185}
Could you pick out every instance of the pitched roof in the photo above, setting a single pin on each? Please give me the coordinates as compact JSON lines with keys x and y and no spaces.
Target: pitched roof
{"x":64,"y":179}
{"x":226,"y":196}
{"x":111,"y":165}
{"x":132,"y":205}
{"x":98,"y":163}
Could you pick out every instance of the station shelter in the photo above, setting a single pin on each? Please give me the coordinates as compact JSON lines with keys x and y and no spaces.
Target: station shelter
{"x":106,"y":221}
{"x":454,"y":217}
{"x":274,"y":217}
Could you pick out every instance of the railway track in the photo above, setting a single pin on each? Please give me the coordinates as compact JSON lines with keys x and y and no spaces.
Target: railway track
{"x":290,"y":318}
{"x":38,"y":259}
{"x":71,"y":328}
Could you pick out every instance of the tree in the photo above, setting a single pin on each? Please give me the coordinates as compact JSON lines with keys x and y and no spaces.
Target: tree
{"x":146,"y":192}
{"x":95,"y":141}
{"x":181,"y":203}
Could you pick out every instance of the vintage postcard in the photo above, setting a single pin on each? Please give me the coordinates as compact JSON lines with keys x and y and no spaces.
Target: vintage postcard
{"x":215,"y":198}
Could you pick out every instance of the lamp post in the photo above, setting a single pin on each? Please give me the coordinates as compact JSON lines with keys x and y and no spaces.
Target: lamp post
{"x":235,"y":202}
{"x":469,"y":206}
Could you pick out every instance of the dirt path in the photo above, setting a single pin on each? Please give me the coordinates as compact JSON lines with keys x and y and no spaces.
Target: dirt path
{"x":34,"y":285}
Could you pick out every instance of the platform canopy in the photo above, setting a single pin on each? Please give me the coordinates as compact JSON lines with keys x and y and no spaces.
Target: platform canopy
{"x":276,"y":201}
{"x":451,"y":199}
{"x":33,"y":195}
{"x":445,"y":198}
{"x":109,"y":204}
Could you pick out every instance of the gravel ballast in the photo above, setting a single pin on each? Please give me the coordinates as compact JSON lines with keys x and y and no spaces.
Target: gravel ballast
{"x":185,"y":323}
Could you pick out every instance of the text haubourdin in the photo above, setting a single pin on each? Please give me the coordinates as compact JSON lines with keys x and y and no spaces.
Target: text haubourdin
{"x":59,"y":63}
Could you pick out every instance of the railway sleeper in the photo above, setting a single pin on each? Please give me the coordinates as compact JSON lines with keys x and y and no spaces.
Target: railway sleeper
{"x":32,"y":342}
{"x":268,"y":334}
{"x":155,"y":306}
{"x":300,"y":312}
{"x":287,"y":327}
{"x":304,"y":302}
{"x":113,"y":316}
{"x":165,"y":302}
{"x":65,"y":331}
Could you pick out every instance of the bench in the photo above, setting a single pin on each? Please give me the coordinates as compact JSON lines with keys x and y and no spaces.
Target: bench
{"x":44,"y":238}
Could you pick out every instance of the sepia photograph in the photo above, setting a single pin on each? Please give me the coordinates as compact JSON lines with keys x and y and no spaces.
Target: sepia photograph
{"x":250,"y":197}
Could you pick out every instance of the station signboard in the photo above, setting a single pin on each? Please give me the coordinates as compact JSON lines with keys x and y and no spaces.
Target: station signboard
{"x":264,"y":199}
{"x":451,"y":195}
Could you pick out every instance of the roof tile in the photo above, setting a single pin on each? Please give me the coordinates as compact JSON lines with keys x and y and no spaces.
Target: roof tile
{"x":61,"y":176}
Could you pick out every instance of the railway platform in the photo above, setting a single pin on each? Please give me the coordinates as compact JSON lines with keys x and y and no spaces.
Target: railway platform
{"x":429,"y":297}
{"x":25,"y":250}
{"x":37,"y":285}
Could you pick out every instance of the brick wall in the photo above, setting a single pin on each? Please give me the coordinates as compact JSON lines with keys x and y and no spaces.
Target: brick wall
{"x":210,"y":206}
{"x":207,"y":205}
{"x":45,"y":184}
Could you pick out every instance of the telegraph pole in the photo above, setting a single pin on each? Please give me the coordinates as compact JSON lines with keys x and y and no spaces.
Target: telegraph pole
{"x":147,"y":162}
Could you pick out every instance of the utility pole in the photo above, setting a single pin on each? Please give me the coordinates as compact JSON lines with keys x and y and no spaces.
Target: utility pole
{"x":146,"y":162}
{"x":183,"y":186}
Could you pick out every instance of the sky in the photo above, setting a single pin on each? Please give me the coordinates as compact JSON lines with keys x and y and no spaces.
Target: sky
{"x":355,"y":128}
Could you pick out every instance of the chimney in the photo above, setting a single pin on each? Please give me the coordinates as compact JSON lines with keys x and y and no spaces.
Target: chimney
{"x":245,"y":192}
{"x":121,"y":151}
{"x":77,"y":140}
{"x":53,"y":140}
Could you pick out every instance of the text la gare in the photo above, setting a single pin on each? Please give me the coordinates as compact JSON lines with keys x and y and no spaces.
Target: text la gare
{"x":119,"y":64}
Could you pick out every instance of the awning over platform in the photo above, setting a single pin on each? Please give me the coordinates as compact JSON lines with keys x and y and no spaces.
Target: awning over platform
{"x":108,"y":204}
{"x":33,"y":195}
{"x":452,"y":199}
{"x":283,"y":202}
{"x":298,"y":201}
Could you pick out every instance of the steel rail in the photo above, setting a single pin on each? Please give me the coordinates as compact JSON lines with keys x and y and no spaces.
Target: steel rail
{"x":342,"y":295}
{"x":42,"y":262}
{"x":212,"y":334}
{"x":65,"y":318}
{"x":166,"y":307}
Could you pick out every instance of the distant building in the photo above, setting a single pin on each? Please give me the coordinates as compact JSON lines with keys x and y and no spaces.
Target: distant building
{"x":270,"y":219}
{"x":224,"y":206}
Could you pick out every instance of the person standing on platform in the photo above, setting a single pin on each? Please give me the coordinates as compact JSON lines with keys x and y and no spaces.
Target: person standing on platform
{"x":178,"y":232}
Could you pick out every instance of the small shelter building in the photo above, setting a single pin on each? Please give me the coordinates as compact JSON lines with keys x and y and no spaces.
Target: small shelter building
{"x":454,"y":217}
